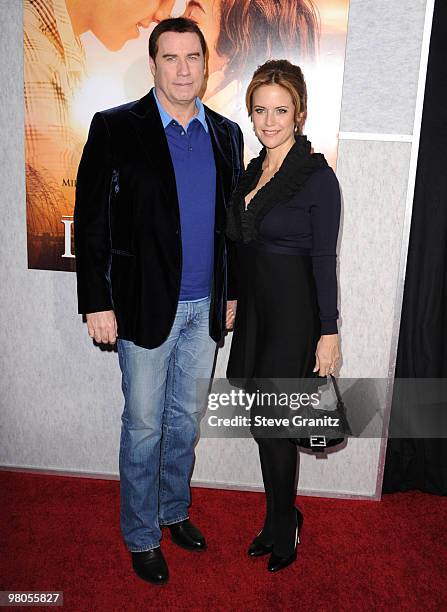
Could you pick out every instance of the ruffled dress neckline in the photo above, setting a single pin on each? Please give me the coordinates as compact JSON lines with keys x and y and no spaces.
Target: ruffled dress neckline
{"x":298,"y":165}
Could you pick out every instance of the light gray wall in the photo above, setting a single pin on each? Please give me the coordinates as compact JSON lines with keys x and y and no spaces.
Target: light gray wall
{"x":382,"y":61}
{"x":60,"y":396}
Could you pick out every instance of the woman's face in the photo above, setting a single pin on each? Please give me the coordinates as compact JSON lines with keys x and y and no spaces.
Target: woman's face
{"x":206,"y":13}
{"x":273,"y":115}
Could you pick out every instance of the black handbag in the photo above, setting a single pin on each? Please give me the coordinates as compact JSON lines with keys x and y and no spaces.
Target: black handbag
{"x":331,"y":436}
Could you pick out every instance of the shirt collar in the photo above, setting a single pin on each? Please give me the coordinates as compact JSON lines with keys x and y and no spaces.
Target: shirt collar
{"x":166,"y":117}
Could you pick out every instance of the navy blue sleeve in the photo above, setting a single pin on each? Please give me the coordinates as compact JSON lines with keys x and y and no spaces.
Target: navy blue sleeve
{"x":325,"y":220}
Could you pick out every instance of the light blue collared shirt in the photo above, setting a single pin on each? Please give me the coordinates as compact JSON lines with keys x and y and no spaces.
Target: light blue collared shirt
{"x":166,"y":117}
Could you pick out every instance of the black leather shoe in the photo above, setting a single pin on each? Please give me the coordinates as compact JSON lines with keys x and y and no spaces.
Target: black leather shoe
{"x":259,"y":549}
{"x":151,"y":566}
{"x":276,"y":562}
{"x":186,"y":535}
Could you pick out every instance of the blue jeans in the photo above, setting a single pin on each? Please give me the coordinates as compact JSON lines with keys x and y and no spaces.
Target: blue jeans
{"x":160,"y":424}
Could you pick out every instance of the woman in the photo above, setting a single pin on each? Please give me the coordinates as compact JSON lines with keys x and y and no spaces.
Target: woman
{"x":284,"y":216}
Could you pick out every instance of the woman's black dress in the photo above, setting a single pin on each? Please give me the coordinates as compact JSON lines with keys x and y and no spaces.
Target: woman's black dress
{"x":286,"y":266}
{"x":287,"y":298}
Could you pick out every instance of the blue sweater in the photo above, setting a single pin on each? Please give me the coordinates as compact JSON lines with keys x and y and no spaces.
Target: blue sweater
{"x":195,"y":176}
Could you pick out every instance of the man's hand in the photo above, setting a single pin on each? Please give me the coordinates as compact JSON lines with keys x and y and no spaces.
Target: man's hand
{"x":327,"y":355}
{"x":102,"y":326}
{"x":231,"y":314}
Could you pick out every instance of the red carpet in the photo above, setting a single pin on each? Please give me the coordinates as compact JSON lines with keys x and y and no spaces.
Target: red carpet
{"x":63,"y":534}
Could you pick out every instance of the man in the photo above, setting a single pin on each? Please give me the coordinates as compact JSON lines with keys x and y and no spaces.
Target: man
{"x":153,"y":183}
{"x":54,"y":68}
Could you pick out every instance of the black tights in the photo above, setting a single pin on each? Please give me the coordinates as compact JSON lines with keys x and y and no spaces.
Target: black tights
{"x":279,"y":460}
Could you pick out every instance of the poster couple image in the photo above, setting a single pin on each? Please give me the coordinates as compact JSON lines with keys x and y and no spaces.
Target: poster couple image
{"x":81,"y":57}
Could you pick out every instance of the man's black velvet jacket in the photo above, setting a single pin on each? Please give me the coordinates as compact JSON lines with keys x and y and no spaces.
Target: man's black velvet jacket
{"x":127,"y":221}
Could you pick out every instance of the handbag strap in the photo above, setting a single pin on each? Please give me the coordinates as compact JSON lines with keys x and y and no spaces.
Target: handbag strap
{"x":337,"y":390}
{"x":341,"y":406}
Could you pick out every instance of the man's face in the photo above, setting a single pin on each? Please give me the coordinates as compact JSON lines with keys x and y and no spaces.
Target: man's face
{"x":117,"y":21}
{"x":179,"y":67}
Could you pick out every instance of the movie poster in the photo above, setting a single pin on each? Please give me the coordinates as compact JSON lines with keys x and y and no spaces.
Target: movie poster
{"x":81,"y":58}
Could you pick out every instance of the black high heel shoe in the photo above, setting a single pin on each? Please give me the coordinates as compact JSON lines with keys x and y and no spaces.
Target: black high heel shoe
{"x":258,"y":549}
{"x":276,"y":562}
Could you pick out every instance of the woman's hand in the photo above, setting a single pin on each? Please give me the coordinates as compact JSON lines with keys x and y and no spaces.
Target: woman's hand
{"x":231,"y":314}
{"x":327,"y":355}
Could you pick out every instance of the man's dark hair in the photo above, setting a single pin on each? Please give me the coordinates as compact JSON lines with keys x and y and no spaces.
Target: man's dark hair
{"x":175,"y":24}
